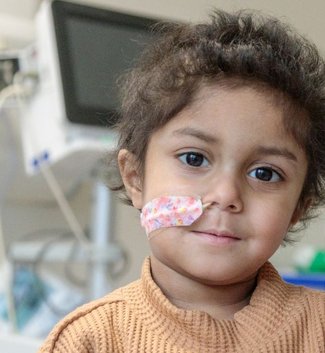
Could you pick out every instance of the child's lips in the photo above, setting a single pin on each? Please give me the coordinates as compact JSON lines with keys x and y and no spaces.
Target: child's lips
{"x":218,"y":234}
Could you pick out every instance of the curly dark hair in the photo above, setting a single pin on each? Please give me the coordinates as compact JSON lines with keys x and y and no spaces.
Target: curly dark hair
{"x":244,"y":47}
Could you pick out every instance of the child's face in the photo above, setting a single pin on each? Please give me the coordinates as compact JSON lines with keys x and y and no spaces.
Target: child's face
{"x":231,"y":149}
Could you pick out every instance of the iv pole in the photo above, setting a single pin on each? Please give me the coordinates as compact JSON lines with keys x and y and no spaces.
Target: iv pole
{"x":105,"y":252}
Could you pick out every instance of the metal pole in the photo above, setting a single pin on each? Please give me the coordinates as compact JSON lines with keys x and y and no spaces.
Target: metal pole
{"x":102,"y":238}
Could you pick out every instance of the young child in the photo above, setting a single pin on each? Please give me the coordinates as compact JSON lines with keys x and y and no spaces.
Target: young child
{"x":222,"y":148}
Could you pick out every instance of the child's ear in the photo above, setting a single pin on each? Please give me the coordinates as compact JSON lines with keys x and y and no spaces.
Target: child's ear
{"x":130,"y":175}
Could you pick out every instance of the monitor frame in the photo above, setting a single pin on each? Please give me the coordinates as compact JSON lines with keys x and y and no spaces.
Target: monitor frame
{"x":62,"y":11}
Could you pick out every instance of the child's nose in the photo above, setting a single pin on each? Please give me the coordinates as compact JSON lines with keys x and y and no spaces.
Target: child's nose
{"x":225,"y":193}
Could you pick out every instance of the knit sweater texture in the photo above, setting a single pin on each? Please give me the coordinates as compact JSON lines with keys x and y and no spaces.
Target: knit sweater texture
{"x":280,"y":318}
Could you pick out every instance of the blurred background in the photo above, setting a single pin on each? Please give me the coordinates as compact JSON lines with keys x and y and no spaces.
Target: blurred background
{"x":65,"y":239}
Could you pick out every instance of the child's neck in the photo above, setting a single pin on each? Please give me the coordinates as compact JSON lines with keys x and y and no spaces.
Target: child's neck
{"x":220,"y":302}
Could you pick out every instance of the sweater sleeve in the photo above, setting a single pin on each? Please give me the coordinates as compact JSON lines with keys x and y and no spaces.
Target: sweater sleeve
{"x":89,"y":329}
{"x":76,"y":334}
{"x":67,"y":340}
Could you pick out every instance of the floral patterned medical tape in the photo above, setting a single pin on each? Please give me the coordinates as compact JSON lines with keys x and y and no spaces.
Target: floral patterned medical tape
{"x":171,"y":211}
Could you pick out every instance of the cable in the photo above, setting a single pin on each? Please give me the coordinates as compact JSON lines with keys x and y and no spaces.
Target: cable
{"x":9,"y":91}
{"x":67,"y":268}
{"x":52,"y":234}
{"x":35,"y":267}
{"x":49,"y":176}
{"x":15,"y":90}
{"x":19,"y":90}
{"x":5,"y":94}
{"x":64,"y":206}
{"x":8,"y":279}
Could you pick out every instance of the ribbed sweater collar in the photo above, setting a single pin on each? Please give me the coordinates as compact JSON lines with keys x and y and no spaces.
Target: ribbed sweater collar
{"x":270,"y":307}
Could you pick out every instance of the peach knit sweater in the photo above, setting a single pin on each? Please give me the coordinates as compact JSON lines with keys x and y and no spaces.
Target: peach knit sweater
{"x":138,"y":318}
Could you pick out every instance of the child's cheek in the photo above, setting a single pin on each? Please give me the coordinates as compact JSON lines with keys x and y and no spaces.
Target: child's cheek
{"x":271,"y":225}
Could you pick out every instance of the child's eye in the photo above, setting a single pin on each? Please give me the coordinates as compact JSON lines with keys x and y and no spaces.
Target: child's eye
{"x":266,"y":174}
{"x":194,"y":159}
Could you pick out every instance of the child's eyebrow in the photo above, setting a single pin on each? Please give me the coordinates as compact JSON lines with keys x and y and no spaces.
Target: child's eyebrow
{"x":188,"y":131}
{"x":260,"y":150}
{"x":276,"y":151}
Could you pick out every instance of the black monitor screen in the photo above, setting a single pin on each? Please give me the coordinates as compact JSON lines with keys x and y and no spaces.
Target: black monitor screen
{"x":95,"y":46}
